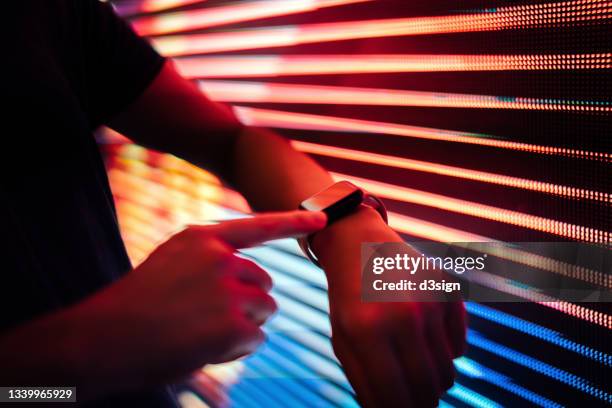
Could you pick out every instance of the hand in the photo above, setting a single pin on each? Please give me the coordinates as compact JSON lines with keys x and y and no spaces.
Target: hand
{"x":394,"y":354}
{"x":193,"y":301}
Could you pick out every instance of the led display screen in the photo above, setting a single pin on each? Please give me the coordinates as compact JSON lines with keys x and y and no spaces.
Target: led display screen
{"x":473,"y":120}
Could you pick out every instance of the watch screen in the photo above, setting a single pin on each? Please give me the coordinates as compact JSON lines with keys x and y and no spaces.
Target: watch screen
{"x":336,"y":201}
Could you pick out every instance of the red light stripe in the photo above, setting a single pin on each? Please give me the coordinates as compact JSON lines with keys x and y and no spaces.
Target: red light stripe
{"x":550,"y":226}
{"x":262,"y":92}
{"x":282,"y":65}
{"x":290,"y":120}
{"x":451,"y":171}
{"x":235,"y":13}
{"x":504,"y":18}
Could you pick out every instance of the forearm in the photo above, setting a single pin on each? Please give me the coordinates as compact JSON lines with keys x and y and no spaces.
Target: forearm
{"x":271,"y":174}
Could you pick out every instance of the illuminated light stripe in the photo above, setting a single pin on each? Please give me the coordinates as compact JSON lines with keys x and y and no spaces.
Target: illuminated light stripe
{"x":239,"y":397}
{"x":527,"y":293}
{"x":478,"y":340}
{"x":305,"y":121}
{"x":472,"y":398}
{"x":240,"y":66}
{"x":318,"y":364}
{"x":537,"y":331}
{"x":130,"y":7}
{"x":524,"y":220}
{"x":473,"y":369}
{"x":229,"y":14}
{"x":451,"y":171}
{"x":569,"y":13}
{"x":262,"y":92}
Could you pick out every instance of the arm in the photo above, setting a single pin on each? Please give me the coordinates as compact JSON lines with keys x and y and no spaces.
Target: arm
{"x":152,"y":326}
{"x":415,"y":343}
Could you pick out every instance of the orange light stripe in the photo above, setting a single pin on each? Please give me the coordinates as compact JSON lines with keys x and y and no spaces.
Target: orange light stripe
{"x":262,"y":92}
{"x":235,"y":13}
{"x":504,"y":18}
{"x":291,"y":120}
{"x":130,"y":7}
{"x":550,"y":226}
{"x":450,"y":171}
{"x":283,"y":65}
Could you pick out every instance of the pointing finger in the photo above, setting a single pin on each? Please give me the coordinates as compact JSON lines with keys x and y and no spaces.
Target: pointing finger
{"x":247,"y":232}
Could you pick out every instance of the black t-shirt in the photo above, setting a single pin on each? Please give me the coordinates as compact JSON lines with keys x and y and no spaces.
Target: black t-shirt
{"x":68,"y":66}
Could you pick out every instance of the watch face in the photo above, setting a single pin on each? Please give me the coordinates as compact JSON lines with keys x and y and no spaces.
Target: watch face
{"x":336,"y":201}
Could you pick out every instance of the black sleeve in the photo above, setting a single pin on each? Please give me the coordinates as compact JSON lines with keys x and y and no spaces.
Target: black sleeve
{"x":119,"y":65}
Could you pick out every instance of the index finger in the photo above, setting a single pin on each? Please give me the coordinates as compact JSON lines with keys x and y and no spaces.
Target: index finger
{"x":247,"y":232}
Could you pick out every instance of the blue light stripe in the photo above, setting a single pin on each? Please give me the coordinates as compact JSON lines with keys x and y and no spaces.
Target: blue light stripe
{"x":537,"y":331}
{"x":261,"y":393}
{"x":322,"y":366}
{"x":473,"y":369}
{"x":302,"y":334}
{"x":476,"y":339}
{"x":314,"y":318}
{"x":239,"y":397}
{"x":470,"y":397}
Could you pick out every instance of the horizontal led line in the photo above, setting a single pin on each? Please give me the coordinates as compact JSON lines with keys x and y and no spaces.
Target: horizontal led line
{"x":550,"y":226}
{"x":284,"y":65}
{"x":471,"y":398}
{"x":450,"y":171}
{"x":537,"y":331}
{"x":228,"y":14}
{"x":304,"y":121}
{"x":127,"y":8}
{"x":478,"y":340}
{"x":569,"y":13}
{"x":318,"y":364}
{"x":265,"y":92}
{"x":501,"y":284}
{"x":473,"y":369}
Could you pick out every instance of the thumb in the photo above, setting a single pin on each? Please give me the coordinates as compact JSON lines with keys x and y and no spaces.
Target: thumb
{"x":248,"y":232}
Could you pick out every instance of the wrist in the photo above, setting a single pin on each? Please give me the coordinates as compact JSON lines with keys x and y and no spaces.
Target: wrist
{"x":346,"y":234}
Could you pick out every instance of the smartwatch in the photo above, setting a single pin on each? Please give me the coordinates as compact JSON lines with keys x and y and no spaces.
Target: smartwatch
{"x":338,"y":201}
